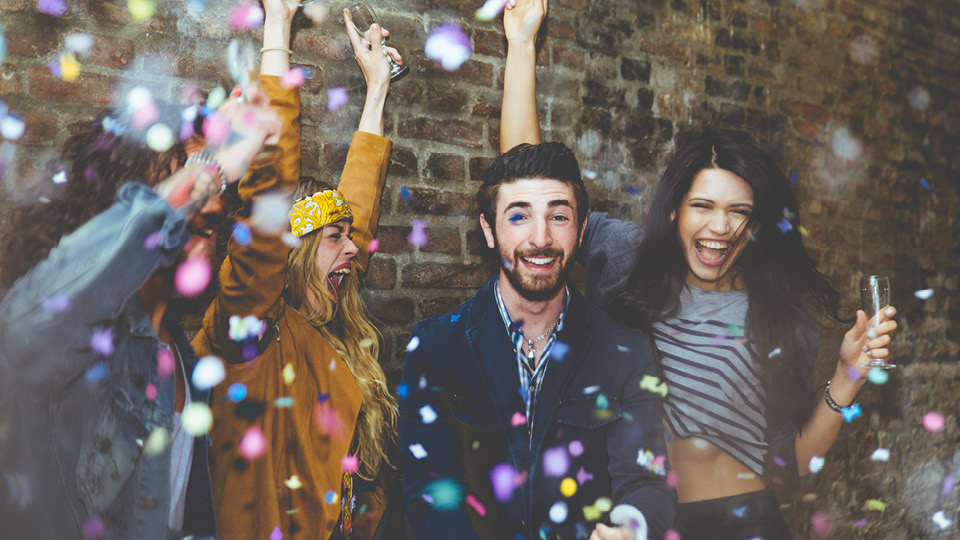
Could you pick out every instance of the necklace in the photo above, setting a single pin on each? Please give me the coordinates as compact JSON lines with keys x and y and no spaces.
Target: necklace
{"x":531,"y":352}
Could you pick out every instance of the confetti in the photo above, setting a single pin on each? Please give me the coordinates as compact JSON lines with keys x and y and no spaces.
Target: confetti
{"x":403,"y":390}
{"x":270,"y":215}
{"x":941,"y":520}
{"x":449,"y":46}
{"x":820,"y":523}
{"x":919,"y":98}
{"x":518,"y":419}
{"x":418,"y":451}
{"x":293,"y":78}
{"x":446,"y":494}
{"x":216,"y":97}
{"x":160,"y":137}
{"x":253,"y":443}
{"x":583,"y":476}
{"x":151,"y":392}
{"x":245,"y":16}
{"x":208,"y":373}
{"x":948,"y":482}
{"x":289,"y":374}
{"x":245,"y":328}
{"x":924,"y":294}
{"x":490,"y":9}
{"x":593,"y":389}
{"x":373,"y":246}
{"x":589,"y":175}
{"x":60,"y":177}
{"x":192,"y":276}
{"x":69,"y":68}
{"x":157,"y":441}
{"x":216,"y":129}
{"x":853,"y":373}
{"x":12,"y":128}
{"x":558,"y":512}
{"x":92,"y":528}
{"x":860,"y":523}
{"x":276,"y":534}
{"x":880,"y":454}
{"x":845,"y":146}
{"x":141,"y":10}
{"x":503,"y":478}
{"x":878,"y":376}
{"x":794,"y":177}
{"x":196,"y":418}
{"x":785,"y":225}
{"x":653,"y":463}
{"x":293,"y":482}
{"x":924,"y":184}
{"x":875,"y":504}
{"x":774,"y":352}
{"x":672,"y":480}
{"x":54,"y":67}
{"x":740,"y":512}
{"x":97,"y":372}
{"x":336,"y":97}
{"x":405,"y":193}
{"x":78,"y":43}
{"x":779,"y":461}
{"x":602,"y":402}
{"x":57,"y":303}
{"x":556,"y":462}
{"x":427,"y":414}
{"x":55,"y":8}
{"x":350,"y":464}
{"x":671,"y":535}
{"x":559,"y":351}
{"x":413,"y":344}
{"x":575,"y":448}
{"x":568,"y":487}
{"x":102,"y":341}
{"x":851,"y":412}
{"x":241,"y":234}
{"x":164,"y":363}
{"x":816,"y":464}
{"x":418,"y":233}
{"x":653,"y":384}
{"x":316,"y":12}
{"x":476,"y":505}
{"x":865,"y":51}
{"x":283,"y":402}
{"x":933,"y":421}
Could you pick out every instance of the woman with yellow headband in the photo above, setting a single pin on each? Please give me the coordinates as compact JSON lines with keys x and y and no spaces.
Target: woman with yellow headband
{"x":304,"y":417}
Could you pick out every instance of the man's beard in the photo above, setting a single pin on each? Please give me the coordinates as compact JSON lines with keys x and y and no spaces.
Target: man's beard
{"x":541,"y":287}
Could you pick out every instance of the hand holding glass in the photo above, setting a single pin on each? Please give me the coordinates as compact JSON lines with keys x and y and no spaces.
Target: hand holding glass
{"x":874,"y":297}
{"x":363,"y":18}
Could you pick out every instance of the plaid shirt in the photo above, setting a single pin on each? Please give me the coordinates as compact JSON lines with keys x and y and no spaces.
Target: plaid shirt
{"x":530,"y":376}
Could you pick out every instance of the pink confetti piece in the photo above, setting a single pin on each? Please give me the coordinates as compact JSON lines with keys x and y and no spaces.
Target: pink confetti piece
{"x":146,"y":115}
{"x":556,"y":461}
{"x":216,"y":129}
{"x":449,"y":46}
{"x":671,"y":535}
{"x":253,"y":444}
{"x":54,"y":67}
{"x":820,"y":523}
{"x":518,"y":419}
{"x":948,"y":482}
{"x":860,"y":523}
{"x":336,"y":97}
{"x":327,"y":419}
{"x":92,"y":528}
{"x":55,"y":8}
{"x":192,"y":276}
{"x":277,"y":534}
{"x":293,"y":78}
{"x":165,"y":363}
{"x":152,"y":241}
{"x":503,"y":477}
{"x":476,"y":505}
{"x":350,"y":464}
{"x":245,"y":16}
{"x":575,"y":448}
{"x":373,"y":246}
{"x":933,"y":421}
{"x":853,"y":373}
{"x":102,"y":341}
{"x":672,"y":480}
{"x":418,"y":233}
{"x":151,"y":392}
{"x":57,"y":303}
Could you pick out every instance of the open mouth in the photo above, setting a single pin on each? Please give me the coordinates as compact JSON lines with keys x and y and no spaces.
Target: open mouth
{"x":712,"y":252}
{"x":337,"y":276}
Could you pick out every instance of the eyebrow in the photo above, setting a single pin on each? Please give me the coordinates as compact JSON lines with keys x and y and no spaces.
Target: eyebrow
{"x":525,"y":205}
{"x":701,"y":199}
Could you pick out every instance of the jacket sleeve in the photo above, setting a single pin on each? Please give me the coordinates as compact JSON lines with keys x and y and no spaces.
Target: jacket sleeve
{"x":83,"y":285}
{"x":639,"y":435}
{"x":438,"y":440}
{"x":362,"y":184}
{"x":608,"y":253}
{"x":251,"y":277}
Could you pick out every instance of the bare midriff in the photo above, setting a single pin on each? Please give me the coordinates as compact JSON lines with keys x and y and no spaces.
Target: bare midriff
{"x":705,"y":472}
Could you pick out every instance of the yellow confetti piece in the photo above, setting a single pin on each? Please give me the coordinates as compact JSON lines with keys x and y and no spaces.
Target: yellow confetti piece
{"x":288,"y":374}
{"x":141,"y":10}
{"x":69,"y":68}
{"x":293,"y":482}
{"x":156,"y":442}
{"x":568,"y":487}
{"x":803,"y":231}
{"x":196,"y":418}
{"x":216,"y":97}
{"x":653,"y":384}
{"x":603,"y":504}
{"x":365,"y":343}
{"x":590,"y":513}
{"x":875,"y":504}
{"x":746,"y":475}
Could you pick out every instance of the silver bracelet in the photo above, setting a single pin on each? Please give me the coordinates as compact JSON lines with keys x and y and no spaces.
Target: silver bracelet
{"x":207,"y":158}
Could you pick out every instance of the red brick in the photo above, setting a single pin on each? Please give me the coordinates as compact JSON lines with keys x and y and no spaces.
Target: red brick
{"x":808,"y":130}
{"x":764,"y":25}
{"x":30,"y":44}
{"x":118,"y":14}
{"x":456,"y":132}
{"x":472,"y":71}
{"x":313,"y":45}
{"x":191,"y":67}
{"x":9,"y":79}
{"x":381,"y":274}
{"x":110,"y":52}
{"x":40,"y":129}
{"x":390,"y":310}
{"x":88,"y":88}
{"x":568,"y":57}
{"x":438,"y":306}
{"x":560,"y":30}
{"x":443,"y":276}
{"x":445,"y":99}
{"x":489,"y":43}
{"x":445,"y":168}
{"x":486,"y":108}
{"x":16,"y":5}
{"x":442,"y":240}
{"x":433,"y":201}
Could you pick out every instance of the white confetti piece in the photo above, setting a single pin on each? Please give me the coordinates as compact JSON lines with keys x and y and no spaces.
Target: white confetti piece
{"x":418,"y":451}
{"x":427,"y":414}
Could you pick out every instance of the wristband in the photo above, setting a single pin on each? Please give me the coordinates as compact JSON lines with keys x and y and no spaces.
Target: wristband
{"x":830,"y":402}
{"x":207,"y":159}
{"x":284,"y":49}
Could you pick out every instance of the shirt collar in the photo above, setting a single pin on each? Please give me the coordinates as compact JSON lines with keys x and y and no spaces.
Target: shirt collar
{"x":508,"y":321}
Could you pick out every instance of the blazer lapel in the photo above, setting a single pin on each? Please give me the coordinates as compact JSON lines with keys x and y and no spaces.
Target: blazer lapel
{"x":496,"y":361}
{"x":576,"y":337}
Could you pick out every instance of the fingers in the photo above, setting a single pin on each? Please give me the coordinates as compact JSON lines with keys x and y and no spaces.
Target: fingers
{"x":394,"y":54}
{"x":352,"y":32}
{"x":374,"y":36}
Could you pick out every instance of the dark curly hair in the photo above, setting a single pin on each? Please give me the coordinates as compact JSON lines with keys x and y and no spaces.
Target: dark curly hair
{"x":97,"y":160}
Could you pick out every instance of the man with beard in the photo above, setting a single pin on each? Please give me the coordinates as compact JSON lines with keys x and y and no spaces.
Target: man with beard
{"x":526,"y":412}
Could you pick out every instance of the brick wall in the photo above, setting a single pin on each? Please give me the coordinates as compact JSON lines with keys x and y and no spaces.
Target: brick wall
{"x":623,"y":83}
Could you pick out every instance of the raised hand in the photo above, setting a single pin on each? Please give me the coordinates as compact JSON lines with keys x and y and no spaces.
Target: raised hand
{"x":370,"y":53}
{"x":522,"y":20}
{"x":862,"y":344}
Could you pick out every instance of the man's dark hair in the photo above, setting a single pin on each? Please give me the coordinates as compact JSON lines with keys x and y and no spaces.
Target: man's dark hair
{"x":545,"y":161}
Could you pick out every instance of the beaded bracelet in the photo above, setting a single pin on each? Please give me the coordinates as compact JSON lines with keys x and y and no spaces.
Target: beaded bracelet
{"x":207,"y":158}
{"x":830,"y":402}
{"x":284,"y":49}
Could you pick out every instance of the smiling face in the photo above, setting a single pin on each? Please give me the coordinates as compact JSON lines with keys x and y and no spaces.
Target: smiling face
{"x":334,"y":253}
{"x":711,"y":223}
{"x":536,"y":234}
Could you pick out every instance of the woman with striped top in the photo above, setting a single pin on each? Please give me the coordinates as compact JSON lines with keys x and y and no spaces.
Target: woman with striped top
{"x":722,"y":280}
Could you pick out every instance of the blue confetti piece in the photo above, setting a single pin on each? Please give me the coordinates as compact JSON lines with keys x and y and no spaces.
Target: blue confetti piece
{"x":779,"y":461}
{"x":283,"y":402}
{"x":403,"y":390}
{"x":851,"y":412}
{"x":242,"y":234}
{"x":559,"y":351}
{"x":794,"y":177}
{"x":785,"y":225}
{"x":632,"y":190}
{"x":207,"y":110}
{"x":740,"y":512}
{"x":330,"y":497}
{"x":322,"y":398}
{"x":97,"y":372}
{"x":405,"y":193}
{"x":455,"y":318}
{"x":524,"y":392}
{"x":925,"y":184}
{"x":602,"y":402}
{"x":237,"y":392}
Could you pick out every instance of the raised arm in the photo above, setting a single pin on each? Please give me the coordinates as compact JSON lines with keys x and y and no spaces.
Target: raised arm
{"x":519,"y":122}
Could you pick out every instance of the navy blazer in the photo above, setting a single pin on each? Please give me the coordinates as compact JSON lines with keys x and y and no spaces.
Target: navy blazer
{"x":464,"y":368}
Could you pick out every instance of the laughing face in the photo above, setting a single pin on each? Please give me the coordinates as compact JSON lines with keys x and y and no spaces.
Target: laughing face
{"x":536,"y":235}
{"x":711,"y":222}
{"x":334,"y":253}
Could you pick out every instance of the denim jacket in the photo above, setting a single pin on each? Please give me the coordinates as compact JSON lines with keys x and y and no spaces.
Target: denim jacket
{"x":74,"y":421}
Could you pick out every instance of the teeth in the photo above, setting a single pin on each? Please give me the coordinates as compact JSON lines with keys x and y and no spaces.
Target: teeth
{"x":539,"y":260}
{"x":342,"y":271}
{"x":711,"y":244}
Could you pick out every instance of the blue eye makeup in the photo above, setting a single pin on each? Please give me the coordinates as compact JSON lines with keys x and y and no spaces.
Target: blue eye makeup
{"x":515,"y":218}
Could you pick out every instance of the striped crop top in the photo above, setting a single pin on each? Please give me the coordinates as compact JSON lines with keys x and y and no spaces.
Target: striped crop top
{"x":713,"y":380}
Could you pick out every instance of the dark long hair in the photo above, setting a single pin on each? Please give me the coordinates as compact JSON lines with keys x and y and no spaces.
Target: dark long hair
{"x":786,"y":292}
{"x":96,"y":160}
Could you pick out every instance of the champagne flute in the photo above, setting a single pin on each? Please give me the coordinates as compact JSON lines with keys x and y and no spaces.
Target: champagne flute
{"x":363,"y":19}
{"x":875,"y":297}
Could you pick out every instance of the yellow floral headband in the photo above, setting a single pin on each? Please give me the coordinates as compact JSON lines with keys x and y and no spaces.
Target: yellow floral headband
{"x":317,"y":211}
